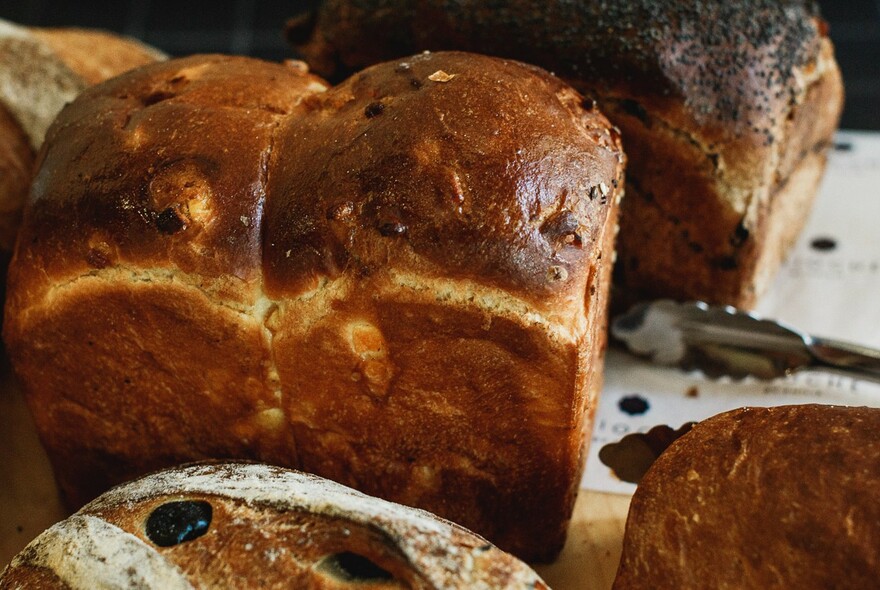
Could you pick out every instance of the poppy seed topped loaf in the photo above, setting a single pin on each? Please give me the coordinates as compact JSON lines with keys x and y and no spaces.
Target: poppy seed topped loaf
{"x":727,"y":109}
{"x":398,"y":283}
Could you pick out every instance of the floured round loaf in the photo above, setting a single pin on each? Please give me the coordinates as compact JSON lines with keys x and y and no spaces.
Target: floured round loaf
{"x":761,"y":498}
{"x":398,"y":283}
{"x":727,"y":109}
{"x":41,"y":71}
{"x":240,"y":526}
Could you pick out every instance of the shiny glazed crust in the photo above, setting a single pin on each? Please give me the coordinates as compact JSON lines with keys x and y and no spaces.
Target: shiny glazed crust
{"x":727,"y":109}
{"x":398,"y":283}
{"x":269,"y":528}
{"x":43,"y":69}
{"x":761,"y":498}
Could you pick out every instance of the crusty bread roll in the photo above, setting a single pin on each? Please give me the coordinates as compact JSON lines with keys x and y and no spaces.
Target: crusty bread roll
{"x":240,"y":526}
{"x":41,"y":71}
{"x":761,"y":498}
{"x":399,"y":283}
{"x":727,"y":109}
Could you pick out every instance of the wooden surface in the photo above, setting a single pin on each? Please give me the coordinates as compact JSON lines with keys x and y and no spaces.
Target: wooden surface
{"x":29,"y":504}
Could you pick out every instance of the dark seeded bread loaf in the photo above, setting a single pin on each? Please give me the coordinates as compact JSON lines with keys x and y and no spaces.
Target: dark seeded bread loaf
{"x":42,"y":69}
{"x":727,"y":109}
{"x":761,"y":498}
{"x":241,"y":526}
{"x":398,"y":283}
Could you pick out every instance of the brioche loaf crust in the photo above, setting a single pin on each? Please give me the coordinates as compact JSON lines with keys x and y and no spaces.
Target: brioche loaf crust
{"x":399,"y":283}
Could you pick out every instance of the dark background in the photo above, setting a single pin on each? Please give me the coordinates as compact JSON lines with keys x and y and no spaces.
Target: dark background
{"x":249,"y":27}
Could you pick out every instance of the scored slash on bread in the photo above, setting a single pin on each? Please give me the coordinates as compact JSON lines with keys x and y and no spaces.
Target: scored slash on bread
{"x":398,"y":283}
{"x":239,"y":525}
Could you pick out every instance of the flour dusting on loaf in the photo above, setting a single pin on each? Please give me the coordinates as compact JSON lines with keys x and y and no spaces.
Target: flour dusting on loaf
{"x":86,"y":552}
{"x":39,"y":85}
{"x":267,"y":528}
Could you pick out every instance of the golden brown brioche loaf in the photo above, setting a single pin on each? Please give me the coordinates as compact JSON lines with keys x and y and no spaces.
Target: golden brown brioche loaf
{"x":761,"y":498}
{"x":232,"y":525}
{"x":399,"y":283}
{"x":41,"y":71}
{"x":726,"y":107}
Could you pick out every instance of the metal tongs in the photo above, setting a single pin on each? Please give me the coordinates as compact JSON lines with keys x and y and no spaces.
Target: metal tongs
{"x":724,"y":341}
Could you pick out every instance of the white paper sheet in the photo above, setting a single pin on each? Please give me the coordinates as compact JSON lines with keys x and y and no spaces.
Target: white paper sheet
{"x":830,"y":286}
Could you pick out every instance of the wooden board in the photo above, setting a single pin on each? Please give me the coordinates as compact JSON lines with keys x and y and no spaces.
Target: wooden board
{"x":29,"y":504}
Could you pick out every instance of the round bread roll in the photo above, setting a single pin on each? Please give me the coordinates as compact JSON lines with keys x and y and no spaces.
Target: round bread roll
{"x":727,"y":109}
{"x":761,"y":498}
{"x":234,"y":525}
{"x":398,"y":283}
{"x":42,"y":70}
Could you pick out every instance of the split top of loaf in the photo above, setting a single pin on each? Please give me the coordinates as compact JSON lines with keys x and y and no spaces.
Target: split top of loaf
{"x":398,"y":283}
{"x":505,"y":188}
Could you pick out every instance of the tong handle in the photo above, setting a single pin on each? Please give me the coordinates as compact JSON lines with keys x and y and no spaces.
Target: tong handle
{"x":854,"y":359}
